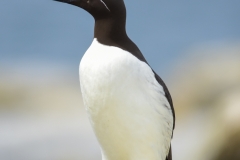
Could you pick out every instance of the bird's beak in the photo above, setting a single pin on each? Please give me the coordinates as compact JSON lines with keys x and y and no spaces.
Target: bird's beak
{"x":84,"y":4}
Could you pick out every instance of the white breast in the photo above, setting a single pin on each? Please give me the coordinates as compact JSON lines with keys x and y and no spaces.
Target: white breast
{"x":128,"y":110}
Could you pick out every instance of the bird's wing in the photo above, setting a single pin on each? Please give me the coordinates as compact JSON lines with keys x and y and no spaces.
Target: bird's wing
{"x":132,"y":48}
{"x":167,"y":94}
{"x":169,"y":157}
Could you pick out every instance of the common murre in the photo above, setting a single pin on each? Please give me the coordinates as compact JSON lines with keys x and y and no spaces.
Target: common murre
{"x":129,"y":106}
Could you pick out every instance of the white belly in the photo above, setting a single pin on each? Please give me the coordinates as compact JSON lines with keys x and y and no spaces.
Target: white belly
{"x":127,"y":108}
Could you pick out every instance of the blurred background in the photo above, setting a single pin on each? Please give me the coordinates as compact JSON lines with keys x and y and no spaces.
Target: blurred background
{"x":193,"y":45}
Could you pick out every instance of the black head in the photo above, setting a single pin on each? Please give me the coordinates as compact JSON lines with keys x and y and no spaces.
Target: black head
{"x":100,"y":8}
{"x":110,"y":20}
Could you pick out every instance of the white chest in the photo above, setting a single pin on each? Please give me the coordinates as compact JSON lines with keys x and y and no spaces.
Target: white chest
{"x":126,"y":105}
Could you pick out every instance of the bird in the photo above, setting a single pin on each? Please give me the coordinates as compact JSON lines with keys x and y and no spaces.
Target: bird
{"x":129,"y":106}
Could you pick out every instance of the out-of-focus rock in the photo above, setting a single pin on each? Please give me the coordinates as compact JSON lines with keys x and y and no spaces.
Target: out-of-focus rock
{"x":206,"y":93}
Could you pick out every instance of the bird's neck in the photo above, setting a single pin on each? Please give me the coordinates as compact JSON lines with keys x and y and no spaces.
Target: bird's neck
{"x":110,"y":30}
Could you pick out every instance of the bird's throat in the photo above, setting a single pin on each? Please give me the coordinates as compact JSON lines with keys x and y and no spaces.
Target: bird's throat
{"x":110,"y":30}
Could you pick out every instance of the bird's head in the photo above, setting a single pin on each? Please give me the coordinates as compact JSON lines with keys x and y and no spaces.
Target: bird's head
{"x":100,"y":8}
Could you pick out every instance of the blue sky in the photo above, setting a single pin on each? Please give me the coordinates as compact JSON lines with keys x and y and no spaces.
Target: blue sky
{"x":51,"y":32}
